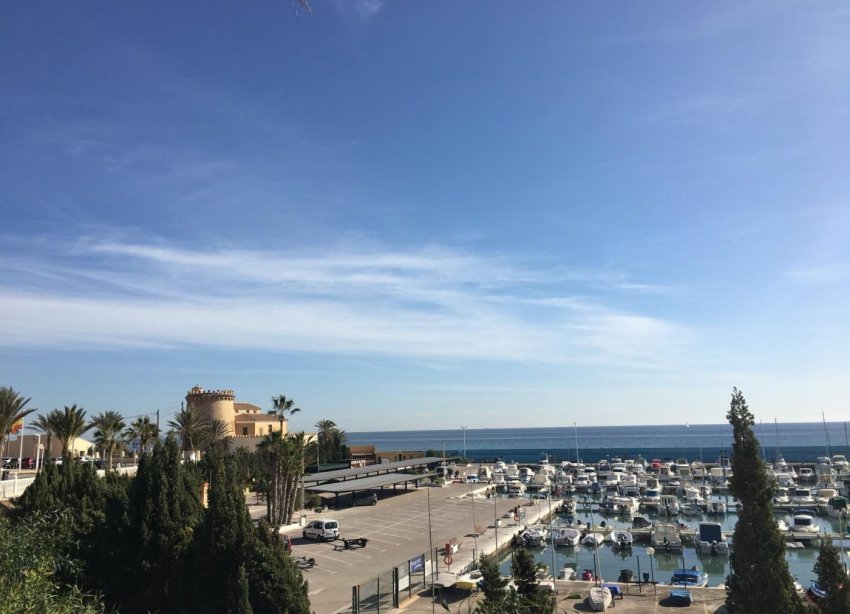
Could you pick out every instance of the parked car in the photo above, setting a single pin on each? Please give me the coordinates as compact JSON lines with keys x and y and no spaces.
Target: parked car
{"x":322,"y":530}
{"x":367,"y":500}
{"x":287,"y":543}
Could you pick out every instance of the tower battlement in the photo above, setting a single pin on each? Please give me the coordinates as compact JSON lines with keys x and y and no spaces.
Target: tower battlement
{"x":198,"y":393}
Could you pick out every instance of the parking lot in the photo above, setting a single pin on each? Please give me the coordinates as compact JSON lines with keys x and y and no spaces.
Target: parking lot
{"x":397,"y":530}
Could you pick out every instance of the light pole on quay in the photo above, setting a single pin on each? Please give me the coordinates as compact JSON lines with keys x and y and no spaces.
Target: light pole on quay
{"x":650,"y":552}
{"x":463,"y":428}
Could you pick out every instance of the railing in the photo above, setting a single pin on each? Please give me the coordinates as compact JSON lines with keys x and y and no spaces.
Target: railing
{"x":15,"y":486}
{"x":383,"y":593}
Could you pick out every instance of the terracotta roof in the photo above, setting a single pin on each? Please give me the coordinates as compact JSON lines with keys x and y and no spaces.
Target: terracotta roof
{"x":241,"y":407}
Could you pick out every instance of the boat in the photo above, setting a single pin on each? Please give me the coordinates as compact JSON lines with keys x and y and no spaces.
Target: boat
{"x":710,"y":539}
{"x":625,"y":505}
{"x":806,"y":474}
{"x":665,"y":537}
{"x":622,"y":539}
{"x":669,"y":505}
{"x":689,"y":578}
{"x":681,"y":597}
{"x":567,"y":573}
{"x":804,"y":523}
{"x":781,"y":525}
{"x":641,"y":522}
{"x":816,"y":591}
{"x":567,"y":507}
{"x":823,"y":496}
{"x":690,"y":509}
{"x":802,"y":496}
{"x":600,"y":598}
{"x":715,"y":507}
{"x":836,"y":506}
{"x":469,"y":581}
{"x":840,"y":463}
{"x":533,"y":536}
{"x":593,"y":539}
{"x":566,"y":536}
{"x":516,"y":489}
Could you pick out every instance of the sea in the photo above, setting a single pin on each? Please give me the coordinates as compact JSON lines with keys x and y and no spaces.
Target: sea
{"x":794,"y":441}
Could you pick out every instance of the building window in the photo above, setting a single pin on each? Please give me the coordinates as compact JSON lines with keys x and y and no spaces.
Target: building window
{"x":244,"y":431}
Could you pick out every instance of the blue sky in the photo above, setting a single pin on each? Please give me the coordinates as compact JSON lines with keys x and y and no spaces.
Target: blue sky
{"x":427,"y":214}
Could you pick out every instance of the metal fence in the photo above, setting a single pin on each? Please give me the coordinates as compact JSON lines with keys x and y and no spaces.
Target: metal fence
{"x":387,"y":590}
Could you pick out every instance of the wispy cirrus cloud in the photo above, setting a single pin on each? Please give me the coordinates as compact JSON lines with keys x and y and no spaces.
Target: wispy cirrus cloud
{"x":428,"y":303}
{"x":825,"y":274}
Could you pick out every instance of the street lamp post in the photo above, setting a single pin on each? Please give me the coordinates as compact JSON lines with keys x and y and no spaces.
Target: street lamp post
{"x":474,"y":528}
{"x":650,"y":552}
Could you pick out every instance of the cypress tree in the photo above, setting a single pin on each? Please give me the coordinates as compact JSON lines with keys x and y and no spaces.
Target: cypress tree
{"x":759,"y":580}
{"x":534,"y":598}
{"x":218,"y":549}
{"x":832,"y":578}
{"x":276,"y":584}
{"x":494,"y":588}
{"x":145,"y":571}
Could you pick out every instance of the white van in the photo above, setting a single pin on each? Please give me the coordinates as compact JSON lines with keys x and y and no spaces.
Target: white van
{"x":322,"y":530}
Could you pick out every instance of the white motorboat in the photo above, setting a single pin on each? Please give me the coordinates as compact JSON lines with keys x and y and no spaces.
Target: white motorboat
{"x":533,"y":536}
{"x":566,"y":536}
{"x":710,"y":539}
{"x":823,"y":495}
{"x":516,"y":489}
{"x":665,"y":537}
{"x":802,"y":496}
{"x":781,"y":525}
{"x":622,"y":539}
{"x":669,"y":505}
{"x":599,"y":599}
{"x":715,"y":507}
{"x":836,"y":506}
{"x":625,"y":505}
{"x":593,"y":539}
{"x":567,"y":573}
{"x":690,"y":509}
{"x":804,"y":523}
{"x":651,"y":498}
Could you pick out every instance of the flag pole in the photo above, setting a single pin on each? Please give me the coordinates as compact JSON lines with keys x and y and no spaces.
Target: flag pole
{"x":21,"y":446}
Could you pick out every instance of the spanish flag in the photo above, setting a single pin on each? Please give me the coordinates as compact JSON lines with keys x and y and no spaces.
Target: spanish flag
{"x":17,"y":426}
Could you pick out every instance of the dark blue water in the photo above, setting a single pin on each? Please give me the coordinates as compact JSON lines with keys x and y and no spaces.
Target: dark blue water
{"x":797,"y":441}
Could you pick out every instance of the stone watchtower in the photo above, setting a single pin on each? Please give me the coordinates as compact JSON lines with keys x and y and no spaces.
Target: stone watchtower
{"x":213,"y":405}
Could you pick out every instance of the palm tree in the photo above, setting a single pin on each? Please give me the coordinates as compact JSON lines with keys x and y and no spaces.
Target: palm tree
{"x":107,"y":437}
{"x":218,"y":435}
{"x":271,"y":451}
{"x":323,"y":438}
{"x":12,"y":409}
{"x":143,"y":430}
{"x":48,"y":425}
{"x":191,"y":428}
{"x":283,"y":406}
{"x":71,"y":423}
{"x":294,"y":466}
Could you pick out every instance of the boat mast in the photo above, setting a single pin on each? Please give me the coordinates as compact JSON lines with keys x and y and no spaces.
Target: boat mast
{"x":823,"y":416}
{"x":576,"y":432}
{"x":776,"y":437}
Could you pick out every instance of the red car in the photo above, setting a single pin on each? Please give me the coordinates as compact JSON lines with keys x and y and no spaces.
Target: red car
{"x":287,"y":543}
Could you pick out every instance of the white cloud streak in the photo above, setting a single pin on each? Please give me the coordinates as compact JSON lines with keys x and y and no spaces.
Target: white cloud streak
{"x":431,"y":303}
